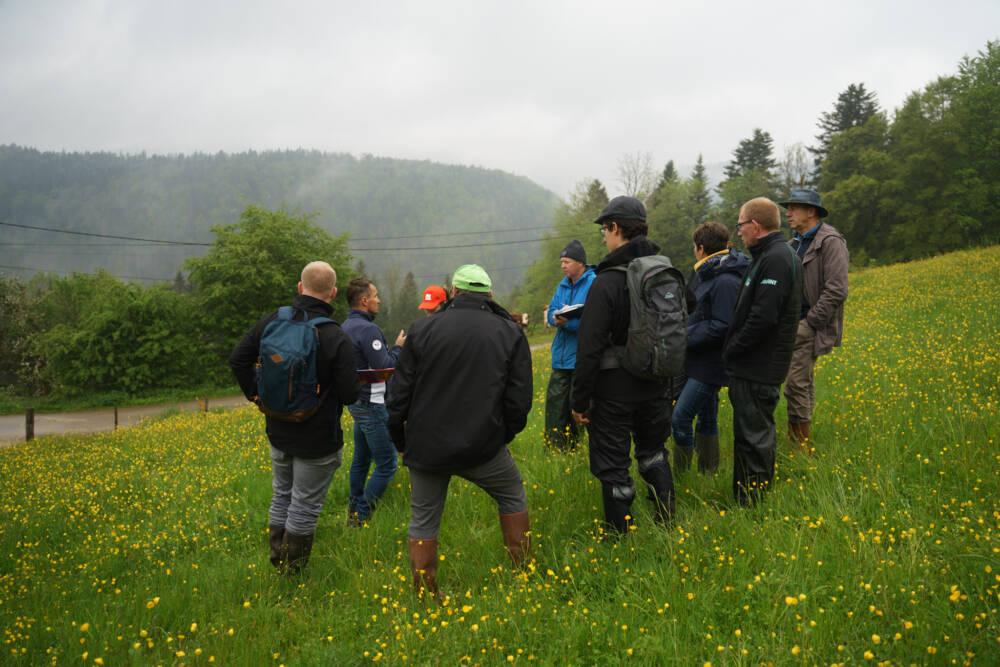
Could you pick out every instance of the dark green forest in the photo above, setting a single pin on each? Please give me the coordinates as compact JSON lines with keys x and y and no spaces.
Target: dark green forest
{"x":383,"y":204}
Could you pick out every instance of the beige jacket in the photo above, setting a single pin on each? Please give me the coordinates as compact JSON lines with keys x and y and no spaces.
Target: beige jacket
{"x":825,"y":265}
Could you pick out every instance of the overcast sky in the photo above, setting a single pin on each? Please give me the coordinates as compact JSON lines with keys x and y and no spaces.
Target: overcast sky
{"x":555,"y":91}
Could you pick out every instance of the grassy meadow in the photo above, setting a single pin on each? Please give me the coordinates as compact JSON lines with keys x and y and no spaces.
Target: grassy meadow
{"x":147,"y":546}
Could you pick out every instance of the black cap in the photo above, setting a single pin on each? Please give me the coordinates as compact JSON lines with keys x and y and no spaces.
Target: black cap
{"x":574,"y":250}
{"x":623,"y":208}
{"x":806,"y":196}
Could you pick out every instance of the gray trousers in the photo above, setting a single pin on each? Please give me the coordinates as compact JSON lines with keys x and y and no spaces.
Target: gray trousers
{"x":300,"y":487}
{"x":498,"y":477}
{"x":800,"y":385}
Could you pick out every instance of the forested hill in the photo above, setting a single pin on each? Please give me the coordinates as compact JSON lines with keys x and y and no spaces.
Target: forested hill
{"x":383,"y":203}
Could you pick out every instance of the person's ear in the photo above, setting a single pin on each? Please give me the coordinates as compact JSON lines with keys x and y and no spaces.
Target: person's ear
{"x":333,"y":293}
{"x":300,"y":287}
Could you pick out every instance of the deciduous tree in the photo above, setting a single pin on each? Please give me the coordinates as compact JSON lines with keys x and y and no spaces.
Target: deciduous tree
{"x":253,"y":267}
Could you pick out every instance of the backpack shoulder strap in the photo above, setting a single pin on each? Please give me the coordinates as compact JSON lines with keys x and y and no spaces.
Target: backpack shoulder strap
{"x":286,"y":313}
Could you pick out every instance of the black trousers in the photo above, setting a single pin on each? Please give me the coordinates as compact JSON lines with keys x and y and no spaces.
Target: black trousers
{"x":560,"y":429}
{"x":754,"y":438}
{"x":614,"y":424}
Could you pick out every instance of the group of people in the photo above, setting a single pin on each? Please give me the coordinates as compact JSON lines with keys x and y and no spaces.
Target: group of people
{"x":461,"y":390}
{"x":461,"y":387}
{"x":753,"y":323}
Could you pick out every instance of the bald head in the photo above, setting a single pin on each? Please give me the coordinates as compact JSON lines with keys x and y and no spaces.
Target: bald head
{"x":764,"y":211}
{"x":319,"y":280}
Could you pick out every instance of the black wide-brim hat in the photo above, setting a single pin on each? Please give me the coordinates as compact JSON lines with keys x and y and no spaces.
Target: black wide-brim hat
{"x":806,"y":196}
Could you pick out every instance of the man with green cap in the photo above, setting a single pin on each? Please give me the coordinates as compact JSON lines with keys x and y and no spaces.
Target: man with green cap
{"x":461,"y":391}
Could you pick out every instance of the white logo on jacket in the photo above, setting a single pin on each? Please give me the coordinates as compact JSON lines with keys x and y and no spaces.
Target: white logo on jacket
{"x":376,"y":344}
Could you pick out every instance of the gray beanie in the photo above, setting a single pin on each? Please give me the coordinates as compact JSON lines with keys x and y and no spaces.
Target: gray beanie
{"x":574,"y":250}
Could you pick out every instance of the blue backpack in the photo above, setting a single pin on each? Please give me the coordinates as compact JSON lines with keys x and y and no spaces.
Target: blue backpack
{"x":287,"y":384}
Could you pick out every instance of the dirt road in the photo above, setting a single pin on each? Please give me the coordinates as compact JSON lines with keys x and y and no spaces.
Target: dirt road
{"x":103,"y":419}
{"x":92,"y":421}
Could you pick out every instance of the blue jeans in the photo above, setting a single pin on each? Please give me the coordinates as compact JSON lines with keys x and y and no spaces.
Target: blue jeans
{"x":371,"y":444}
{"x":697,"y":399}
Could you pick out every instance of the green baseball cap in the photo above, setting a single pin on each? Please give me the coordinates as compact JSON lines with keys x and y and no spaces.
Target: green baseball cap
{"x":472,"y":277}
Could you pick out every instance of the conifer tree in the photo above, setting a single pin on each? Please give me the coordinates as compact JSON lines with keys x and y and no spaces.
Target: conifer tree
{"x":854,"y":106}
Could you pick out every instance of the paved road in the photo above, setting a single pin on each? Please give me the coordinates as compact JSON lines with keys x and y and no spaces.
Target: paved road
{"x":103,"y":419}
{"x":92,"y":421}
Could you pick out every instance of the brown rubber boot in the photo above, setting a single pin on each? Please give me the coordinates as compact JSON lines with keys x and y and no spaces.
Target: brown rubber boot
{"x":275,"y":535}
{"x":804,"y":437}
{"x":683,"y":457}
{"x":516,"y":537}
{"x":708,"y":452}
{"x":297,"y":548}
{"x":424,"y":565}
{"x":798,"y":434}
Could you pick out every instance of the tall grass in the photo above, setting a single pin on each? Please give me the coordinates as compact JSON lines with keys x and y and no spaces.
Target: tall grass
{"x":146,"y":546}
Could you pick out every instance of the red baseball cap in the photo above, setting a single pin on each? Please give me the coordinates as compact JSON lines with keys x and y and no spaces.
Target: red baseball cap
{"x":434,"y":296}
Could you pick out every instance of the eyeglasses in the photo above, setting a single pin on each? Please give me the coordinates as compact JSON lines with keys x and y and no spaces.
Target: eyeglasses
{"x":745,"y":222}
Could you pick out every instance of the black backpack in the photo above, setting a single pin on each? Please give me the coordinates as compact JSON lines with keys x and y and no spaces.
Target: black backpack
{"x":657,"y":333}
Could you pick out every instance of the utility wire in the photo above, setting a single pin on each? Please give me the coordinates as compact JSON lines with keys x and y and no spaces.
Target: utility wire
{"x":36,"y":268}
{"x":197,"y":243}
{"x":151,"y":244}
{"x":421,"y":236}
{"x":469,"y":245}
{"x":103,"y":236}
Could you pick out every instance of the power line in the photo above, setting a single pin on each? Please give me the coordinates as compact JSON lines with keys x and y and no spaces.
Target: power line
{"x":198,"y":243}
{"x":469,"y":245}
{"x":36,"y":268}
{"x":422,"y":236}
{"x":103,"y":236}
{"x":488,"y":270}
{"x":151,"y":244}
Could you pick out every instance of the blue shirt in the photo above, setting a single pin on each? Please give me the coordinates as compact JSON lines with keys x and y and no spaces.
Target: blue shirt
{"x":802,"y":243}
{"x":568,"y":293}
{"x":370,"y":351}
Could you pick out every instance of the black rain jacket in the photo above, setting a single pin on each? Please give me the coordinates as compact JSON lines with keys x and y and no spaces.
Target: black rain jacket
{"x":761,"y":337}
{"x":462,"y":387}
{"x":604,"y":323}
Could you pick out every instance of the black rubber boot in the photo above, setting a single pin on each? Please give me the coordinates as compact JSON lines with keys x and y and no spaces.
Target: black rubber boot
{"x":708,"y":452}
{"x":298,"y":548}
{"x":683,"y":457}
{"x":618,"y":506}
{"x":275,"y":536}
{"x":656,"y":471}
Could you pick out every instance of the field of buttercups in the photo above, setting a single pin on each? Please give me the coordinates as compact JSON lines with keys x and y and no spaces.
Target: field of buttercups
{"x":147,"y":545}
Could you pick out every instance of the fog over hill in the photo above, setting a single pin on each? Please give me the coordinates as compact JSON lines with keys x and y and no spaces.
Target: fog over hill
{"x":402,"y":215}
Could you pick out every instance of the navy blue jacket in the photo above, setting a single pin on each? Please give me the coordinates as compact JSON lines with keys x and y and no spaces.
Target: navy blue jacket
{"x":564,"y":344}
{"x":716,"y":286}
{"x":370,"y":351}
